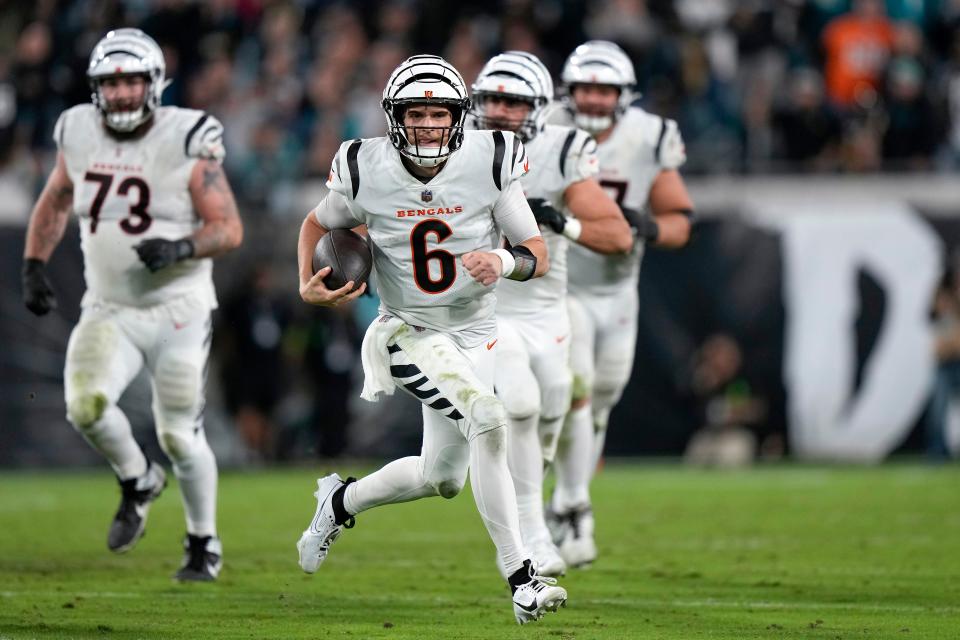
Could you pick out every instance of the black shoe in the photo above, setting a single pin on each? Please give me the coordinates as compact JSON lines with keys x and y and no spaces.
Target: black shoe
{"x":202,"y":559}
{"x":131,"y":518}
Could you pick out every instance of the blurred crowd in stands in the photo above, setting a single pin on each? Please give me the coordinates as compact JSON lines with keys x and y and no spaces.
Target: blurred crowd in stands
{"x":757,"y":86}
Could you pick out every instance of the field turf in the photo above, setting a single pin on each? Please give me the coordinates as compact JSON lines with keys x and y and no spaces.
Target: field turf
{"x":778,"y":552}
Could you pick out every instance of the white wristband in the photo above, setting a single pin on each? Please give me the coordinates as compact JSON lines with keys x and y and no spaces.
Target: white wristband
{"x":572,"y":229}
{"x":507,"y":262}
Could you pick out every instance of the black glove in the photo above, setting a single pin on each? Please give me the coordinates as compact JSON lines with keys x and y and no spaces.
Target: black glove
{"x":547,"y":215}
{"x":646,"y":227}
{"x":158,"y":253}
{"x":37,"y":292}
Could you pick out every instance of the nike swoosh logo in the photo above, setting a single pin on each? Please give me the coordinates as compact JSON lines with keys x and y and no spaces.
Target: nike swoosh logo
{"x":178,"y":325}
{"x":490,"y":344}
{"x":560,"y":339}
{"x":528,"y":607}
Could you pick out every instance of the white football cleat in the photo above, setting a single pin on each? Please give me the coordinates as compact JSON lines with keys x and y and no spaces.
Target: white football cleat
{"x":546,"y":558}
{"x":323,"y":531}
{"x":533,"y":599}
{"x":578,"y":548}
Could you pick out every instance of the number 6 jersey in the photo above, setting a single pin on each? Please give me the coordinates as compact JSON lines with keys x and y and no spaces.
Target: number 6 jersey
{"x":127,"y":190}
{"x":419,"y":231}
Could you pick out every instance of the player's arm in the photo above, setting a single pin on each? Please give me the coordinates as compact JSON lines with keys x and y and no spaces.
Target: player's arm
{"x":672,"y":210}
{"x":44,"y":232}
{"x":214,"y":204}
{"x":527,"y":256}
{"x":598,"y":223}
{"x":335,"y":214}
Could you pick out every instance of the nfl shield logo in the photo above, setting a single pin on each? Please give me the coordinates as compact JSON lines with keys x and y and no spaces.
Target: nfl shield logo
{"x":426,"y":195}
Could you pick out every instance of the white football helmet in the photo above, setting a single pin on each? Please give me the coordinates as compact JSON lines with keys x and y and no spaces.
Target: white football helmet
{"x":598,"y":62}
{"x":518,"y":75}
{"x":125,"y":52}
{"x":425,"y":80}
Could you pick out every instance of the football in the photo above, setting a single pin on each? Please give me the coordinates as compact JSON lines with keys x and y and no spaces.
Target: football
{"x":347,"y":254}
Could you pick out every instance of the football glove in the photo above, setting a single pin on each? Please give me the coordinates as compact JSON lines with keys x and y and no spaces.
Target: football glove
{"x":38,"y":295}
{"x":547,"y":215}
{"x":644,"y":224}
{"x":157,"y":253}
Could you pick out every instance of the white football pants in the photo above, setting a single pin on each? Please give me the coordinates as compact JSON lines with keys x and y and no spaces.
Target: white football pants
{"x":106,"y":350}
{"x":464,"y":427}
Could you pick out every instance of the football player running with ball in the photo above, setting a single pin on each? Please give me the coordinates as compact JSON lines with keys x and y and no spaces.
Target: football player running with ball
{"x":154,"y":208}
{"x":435,"y":200}
{"x":533,"y":376}
{"x":639,"y":156}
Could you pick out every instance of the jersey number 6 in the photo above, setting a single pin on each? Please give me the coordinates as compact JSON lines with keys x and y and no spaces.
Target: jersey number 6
{"x":422,"y":257}
{"x":138,"y":219}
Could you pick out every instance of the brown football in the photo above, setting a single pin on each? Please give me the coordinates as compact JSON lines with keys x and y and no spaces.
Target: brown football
{"x":348,"y":256}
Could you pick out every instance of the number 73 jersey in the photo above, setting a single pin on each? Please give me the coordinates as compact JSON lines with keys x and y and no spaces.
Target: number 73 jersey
{"x":419,"y":232}
{"x":127,"y":190}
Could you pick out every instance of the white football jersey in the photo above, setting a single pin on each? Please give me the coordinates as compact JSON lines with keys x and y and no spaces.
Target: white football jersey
{"x":125,"y":191}
{"x":640,"y":146}
{"x":419,"y":231}
{"x":559,"y":157}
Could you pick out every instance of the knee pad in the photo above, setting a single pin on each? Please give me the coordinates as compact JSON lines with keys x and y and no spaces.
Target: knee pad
{"x":581,"y":388}
{"x":520,"y":403}
{"x":177,"y":384}
{"x":556,"y":400}
{"x":84,"y":410}
{"x":486,"y":413}
{"x":177,"y":443}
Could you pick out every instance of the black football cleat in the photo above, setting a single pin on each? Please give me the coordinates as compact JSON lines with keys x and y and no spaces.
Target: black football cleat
{"x":136,"y":495}
{"x":202,"y":559}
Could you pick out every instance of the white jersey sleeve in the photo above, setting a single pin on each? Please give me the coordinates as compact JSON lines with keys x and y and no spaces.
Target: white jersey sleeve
{"x":333,"y":212}
{"x":344,"y":179}
{"x":670,"y":151}
{"x":579,"y":155}
{"x":204,"y":139}
{"x":513,"y":215}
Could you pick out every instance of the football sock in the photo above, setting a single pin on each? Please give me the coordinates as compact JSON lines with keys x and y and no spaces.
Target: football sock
{"x":521,"y":576}
{"x":112,"y":437}
{"x":340,"y":514}
{"x":575,"y":461}
{"x":495,"y":496}
{"x":197,"y":475}
{"x":526,"y":467}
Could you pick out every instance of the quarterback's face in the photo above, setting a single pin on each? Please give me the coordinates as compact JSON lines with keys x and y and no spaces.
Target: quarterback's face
{"x":595,"y":99}
{"x":505,"y":113}
{"x":428,"y":125}
{"x":123,"y":93}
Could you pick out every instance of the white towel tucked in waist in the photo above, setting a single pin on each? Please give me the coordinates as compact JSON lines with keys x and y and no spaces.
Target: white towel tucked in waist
{"x":375,"y":358}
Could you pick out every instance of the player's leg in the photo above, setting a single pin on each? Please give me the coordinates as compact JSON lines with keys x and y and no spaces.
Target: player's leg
{"x":551,"y":365}
{"x":616,"y":341}
{"x":101,"y":361}
{"x":493,"y":490}
{"x":574,"y":462}
{"x":178,"y":363}
{"x":518,"y":389}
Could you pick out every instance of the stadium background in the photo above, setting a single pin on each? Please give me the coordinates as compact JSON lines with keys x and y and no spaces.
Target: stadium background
{"x":827,"y":197}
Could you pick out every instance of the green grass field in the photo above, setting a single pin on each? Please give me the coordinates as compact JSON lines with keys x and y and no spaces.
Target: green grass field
{"x":781,"y":552}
